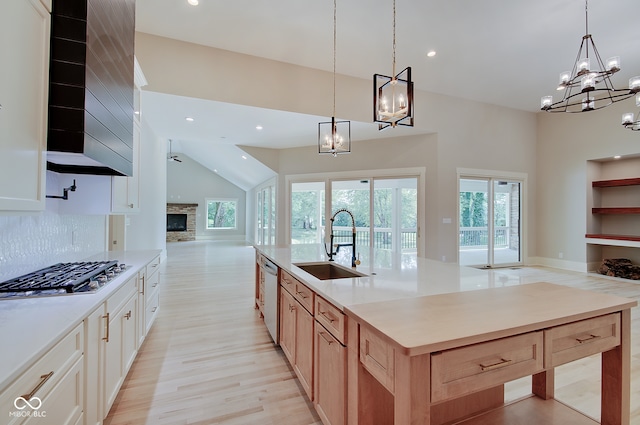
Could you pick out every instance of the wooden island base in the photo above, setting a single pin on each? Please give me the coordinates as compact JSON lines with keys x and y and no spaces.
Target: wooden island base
{"x":444,"y":359}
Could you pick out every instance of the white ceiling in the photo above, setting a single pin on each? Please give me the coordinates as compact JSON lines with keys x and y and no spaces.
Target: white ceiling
{"x":503,"y":52}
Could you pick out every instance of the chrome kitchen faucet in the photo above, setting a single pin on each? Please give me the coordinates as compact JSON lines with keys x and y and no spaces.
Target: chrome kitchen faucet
{"x":330,"y":252}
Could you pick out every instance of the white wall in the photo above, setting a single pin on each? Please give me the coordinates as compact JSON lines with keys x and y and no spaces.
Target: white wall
{"x":565,"y":143}
{"x":456,"y":133}
{"x":190,"y":182}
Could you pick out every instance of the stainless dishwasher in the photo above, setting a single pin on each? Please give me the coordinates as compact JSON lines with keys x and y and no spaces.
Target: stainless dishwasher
{"x":271,"y":298}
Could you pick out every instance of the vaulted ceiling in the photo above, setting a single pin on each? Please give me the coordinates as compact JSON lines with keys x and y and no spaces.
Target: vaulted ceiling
{"x":501,"y":52}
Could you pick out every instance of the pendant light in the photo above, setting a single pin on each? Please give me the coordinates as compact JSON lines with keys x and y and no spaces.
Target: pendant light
{"x":334,"y":137}
{"x":588,"y":85}
{"x":393,"y":96}
{"x":627,"y":118}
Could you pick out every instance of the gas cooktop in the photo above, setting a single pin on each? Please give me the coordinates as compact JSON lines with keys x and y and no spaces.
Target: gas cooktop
{"x":62,"y":278}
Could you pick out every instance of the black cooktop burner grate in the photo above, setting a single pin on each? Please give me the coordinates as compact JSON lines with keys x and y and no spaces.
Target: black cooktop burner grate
{"x":72,"y":277}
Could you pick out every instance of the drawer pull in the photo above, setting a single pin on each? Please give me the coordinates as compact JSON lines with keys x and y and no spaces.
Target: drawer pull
{"x":588,"y":338}
{"x":154,"y":285}
{"x":43,"y":379}
{"x":326,"y":338}
{"x":302,"y":294}
{"x":328,"y":316}
{"x":106,"y":338}
{"x":500,"y":363}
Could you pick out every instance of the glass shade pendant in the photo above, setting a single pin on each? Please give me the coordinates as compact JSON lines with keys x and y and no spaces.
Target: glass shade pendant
{"x":393,"y":96}
{"x":628,"y":120}
{"x":590,"y":76}
{"x":334,"y":137}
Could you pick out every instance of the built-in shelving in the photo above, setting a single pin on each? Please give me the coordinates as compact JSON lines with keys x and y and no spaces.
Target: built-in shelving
{"x":616,"y":210}
{"x":616,"y":182}
{"x":612,"y":210}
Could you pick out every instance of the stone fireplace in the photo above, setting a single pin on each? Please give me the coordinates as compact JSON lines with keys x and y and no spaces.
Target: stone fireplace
{"x":175,"y":221}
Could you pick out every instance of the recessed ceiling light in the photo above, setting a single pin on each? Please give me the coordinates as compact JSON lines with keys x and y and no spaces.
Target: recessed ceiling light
{"x":617,"y":157}
{"x":215,"y":170}
{"x":431,"y":53}
{"x":258,"y":127}
{"x":244,"y":157}
{"x":190,"y":119}
{"x":193,"y":2}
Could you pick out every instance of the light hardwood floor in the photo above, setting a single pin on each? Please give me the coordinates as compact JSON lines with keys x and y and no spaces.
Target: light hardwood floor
{"x":209,"y":360}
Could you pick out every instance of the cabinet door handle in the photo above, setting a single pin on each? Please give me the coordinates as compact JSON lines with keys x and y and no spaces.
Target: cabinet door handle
{"x":128,"y":315}
{"x":106,"y":338}
{"x":292,"y":307}
{"x":153,"y":310}
{"x":496,"y":365}
{"x":587,"y":338}
{"x":43,"y":379}
{"x":326,"y":338}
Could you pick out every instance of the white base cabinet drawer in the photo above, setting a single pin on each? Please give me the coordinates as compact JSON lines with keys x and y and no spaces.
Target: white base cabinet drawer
{"x":64,"y":405}
{"x":36,"y":390}
{"x":152,"y":307}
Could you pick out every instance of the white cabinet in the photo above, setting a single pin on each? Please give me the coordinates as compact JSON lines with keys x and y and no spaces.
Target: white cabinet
{"x":24,"y":75}
{"x":51,"y":390}
{"x":125,"y":191}
{"x":151,"y":293}
{"x":120,"y":338}
{"x":95,"y":332}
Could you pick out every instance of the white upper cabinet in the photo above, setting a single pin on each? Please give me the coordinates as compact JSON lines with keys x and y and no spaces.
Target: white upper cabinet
{"x":125,"y":191}
{"x":24,"y":74}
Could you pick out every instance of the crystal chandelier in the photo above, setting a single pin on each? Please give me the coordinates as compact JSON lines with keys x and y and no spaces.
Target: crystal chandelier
{"x":588,"y":85}
{"x":334,"y":137}
{"x":627,"y":118}
{"x":393,"y":96}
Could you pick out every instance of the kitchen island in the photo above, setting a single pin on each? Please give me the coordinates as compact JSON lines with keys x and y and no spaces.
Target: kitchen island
{"x":434,"y":343}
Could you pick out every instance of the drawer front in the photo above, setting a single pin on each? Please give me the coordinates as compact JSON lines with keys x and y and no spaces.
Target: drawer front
{"x":42,"y":378}
{"x":288,"y":282}
{"x":152,"y":307}
{"x":305,"y":296}
{"x":122,"y":295}
{"x":581,"y":339}
{"x":153,"y":266}
{"x":331,"y":318}
{"x":151,"y":285}
{"x":464,"y":370}
{"x":378,"y":357}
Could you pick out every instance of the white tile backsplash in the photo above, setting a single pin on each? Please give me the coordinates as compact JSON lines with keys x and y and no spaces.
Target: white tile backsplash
{"x":31,"y":242}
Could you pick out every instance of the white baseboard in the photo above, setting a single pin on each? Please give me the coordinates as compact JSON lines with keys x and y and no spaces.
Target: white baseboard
{"x":234,"y":238}
{"x":557,"y":263}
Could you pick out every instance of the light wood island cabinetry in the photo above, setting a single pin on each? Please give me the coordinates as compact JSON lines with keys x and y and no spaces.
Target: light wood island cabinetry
{"x":438,"y":359}
{"x":296,"y":329}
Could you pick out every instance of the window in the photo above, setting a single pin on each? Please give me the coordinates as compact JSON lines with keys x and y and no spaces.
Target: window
{"x":221,"y":213}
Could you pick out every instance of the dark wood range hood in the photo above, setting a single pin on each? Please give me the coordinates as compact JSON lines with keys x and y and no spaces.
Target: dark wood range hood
{"x":91,"y":87}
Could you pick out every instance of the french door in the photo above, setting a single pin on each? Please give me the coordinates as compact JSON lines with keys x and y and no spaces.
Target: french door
{"x":490,"y":225}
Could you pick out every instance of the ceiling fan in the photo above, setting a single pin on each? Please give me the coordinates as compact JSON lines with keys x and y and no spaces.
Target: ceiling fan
{"x":172,"y":157}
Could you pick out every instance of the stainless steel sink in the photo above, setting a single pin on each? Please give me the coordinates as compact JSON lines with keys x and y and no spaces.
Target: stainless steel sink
{"x":326,"y":270}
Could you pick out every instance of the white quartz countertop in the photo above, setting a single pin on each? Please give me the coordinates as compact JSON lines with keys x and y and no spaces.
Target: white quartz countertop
{"x":29,"y":327}
{"x":390,"y":275}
